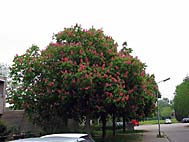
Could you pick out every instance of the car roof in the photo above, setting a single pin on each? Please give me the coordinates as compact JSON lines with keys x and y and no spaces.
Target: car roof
{"x":47,"y":139}
{"x":67,"y":135}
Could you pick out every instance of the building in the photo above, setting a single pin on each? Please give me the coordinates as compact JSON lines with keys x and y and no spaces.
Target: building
{"x":2,"y":94}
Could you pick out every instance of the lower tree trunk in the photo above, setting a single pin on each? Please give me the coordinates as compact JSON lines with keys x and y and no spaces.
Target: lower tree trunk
{"x":103,"y":118}
{"x":113,"y":123}
{"x":87,"y":127}
{"x":124,"y":123}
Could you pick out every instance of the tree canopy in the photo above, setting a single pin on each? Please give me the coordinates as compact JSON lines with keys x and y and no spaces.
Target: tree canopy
{"x":81,"y":74}
{"x":181,"y":99}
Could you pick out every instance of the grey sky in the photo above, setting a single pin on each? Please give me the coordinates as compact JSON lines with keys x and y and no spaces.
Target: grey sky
{"x":157,"y":31}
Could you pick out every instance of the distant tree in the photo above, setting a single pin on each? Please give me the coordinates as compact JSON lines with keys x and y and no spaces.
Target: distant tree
{"x":165,"y":107}
{"x":181,"y":99}
{"x":166,"y":112}
{"x":164,"y":102}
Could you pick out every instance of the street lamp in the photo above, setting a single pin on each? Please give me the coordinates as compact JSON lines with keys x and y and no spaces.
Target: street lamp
{"x":159,"y":134}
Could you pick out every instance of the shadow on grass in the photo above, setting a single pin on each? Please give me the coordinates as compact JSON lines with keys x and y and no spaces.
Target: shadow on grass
{"x":128,"y":136}
{"x":121,"y":138}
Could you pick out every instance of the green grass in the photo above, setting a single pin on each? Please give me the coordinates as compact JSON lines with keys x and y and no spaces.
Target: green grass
{"x":132,"y":137}
{"x":128,"y":136}
{"x":156,"y":122}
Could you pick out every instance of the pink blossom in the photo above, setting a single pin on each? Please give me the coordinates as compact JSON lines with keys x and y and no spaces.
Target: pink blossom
{"x":130,"y":91}
{"x":122,"y":99}
{"x":59,"y":91}
{"x":118,"y":99}
{"x":48,"y":91}
{"x":81,"y":51}
{"x":87,"y":60}
{"x":81,"y":67}
{"x":81,"y":60}
{"x":106,"y":84}
{"x":103,"y":66}
{"x":121,"y":94}
{"x":126,"y":74}
{"x":127,"y":98}
{"x":87,"y":76}
{"x":99,"y":75}
{"x":105,"y":75}
{"x":75,"y":63}
{"x":114,"y":80}
{"x":87,"y":88}
{"x":143,"y":73}
{"x":65,"y":59}
{"x":129,"y":62}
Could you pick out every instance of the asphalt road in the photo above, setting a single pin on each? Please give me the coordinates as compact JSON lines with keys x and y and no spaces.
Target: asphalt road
{"x":178,"y":132}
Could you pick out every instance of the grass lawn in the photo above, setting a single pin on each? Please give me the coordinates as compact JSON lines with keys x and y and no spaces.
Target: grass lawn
{"x":155,"y":121}
{"x":132,"y":137}
{"x":129,"y":136}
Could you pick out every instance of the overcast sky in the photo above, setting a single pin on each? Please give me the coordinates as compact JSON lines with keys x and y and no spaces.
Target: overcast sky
{"x":157,"y":31}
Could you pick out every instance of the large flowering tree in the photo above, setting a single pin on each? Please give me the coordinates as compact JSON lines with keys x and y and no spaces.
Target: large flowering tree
{"x":79,"y":75}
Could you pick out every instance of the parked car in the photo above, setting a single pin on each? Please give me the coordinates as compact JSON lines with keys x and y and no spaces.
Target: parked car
{"x":168,"y":121}
{"x":69,"y":137}
{"x":135,"y":122}
{"x":185,"y":120}
{"x":119,"y":123}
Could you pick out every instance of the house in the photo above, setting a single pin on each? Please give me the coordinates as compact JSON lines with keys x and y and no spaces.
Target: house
{"x":2,"y":94}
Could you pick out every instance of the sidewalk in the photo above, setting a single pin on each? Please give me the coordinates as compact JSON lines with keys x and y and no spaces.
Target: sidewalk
{"x":152,"y":137}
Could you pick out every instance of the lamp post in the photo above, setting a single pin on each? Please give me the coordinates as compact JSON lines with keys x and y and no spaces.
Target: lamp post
{"x":159,"y":132}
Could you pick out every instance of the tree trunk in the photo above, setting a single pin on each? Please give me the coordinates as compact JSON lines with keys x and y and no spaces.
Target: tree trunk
{"x":87,"y":127}
{"x":124,"y":123}
{"x":113,"y":123}
{"x":103,"y":118}
{"x":72,"y":125}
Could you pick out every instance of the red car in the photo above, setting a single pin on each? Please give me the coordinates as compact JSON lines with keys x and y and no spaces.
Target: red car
{"x":135,"y":122}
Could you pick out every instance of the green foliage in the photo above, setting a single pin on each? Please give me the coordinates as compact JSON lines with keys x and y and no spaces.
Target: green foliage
{"x":166,"y":112}
{"x":165,"y":107}
{"x":164,"y":103}
{"x":80,"y":74}
{"x":181,"y":100}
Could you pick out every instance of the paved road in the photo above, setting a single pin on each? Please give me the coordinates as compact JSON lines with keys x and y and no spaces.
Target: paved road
{"x":175,"y":132}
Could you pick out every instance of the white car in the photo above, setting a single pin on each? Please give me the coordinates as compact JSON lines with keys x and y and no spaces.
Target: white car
{"x":168,"y":121}
{"x":69,"y":137}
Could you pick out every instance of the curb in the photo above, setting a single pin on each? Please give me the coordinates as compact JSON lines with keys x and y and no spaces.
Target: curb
{"x":167,"y":138}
